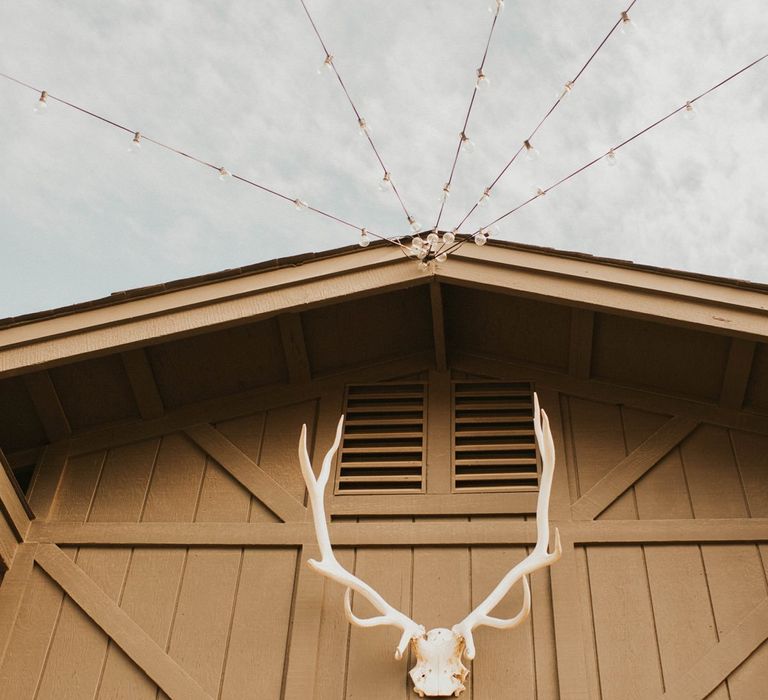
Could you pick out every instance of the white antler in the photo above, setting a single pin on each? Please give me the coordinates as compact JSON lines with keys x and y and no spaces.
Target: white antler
{"x":330,"y":567}
{"x":537,"y":559}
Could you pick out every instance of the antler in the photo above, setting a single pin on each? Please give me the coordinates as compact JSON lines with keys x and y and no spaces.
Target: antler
{"x":537,"y":559}
{"x":330,"y":567}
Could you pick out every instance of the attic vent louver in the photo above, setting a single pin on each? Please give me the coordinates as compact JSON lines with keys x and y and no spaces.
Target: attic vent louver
{"x":383,"y":446}
{"x":494,"y":446}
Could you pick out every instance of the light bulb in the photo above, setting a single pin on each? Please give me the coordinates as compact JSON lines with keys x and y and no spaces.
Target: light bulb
{"x":480,"y":238}
{"x":445,"y":192}
{"x":540,"y":192}
{"x":610,"y":157}
{"x":135,"y":145}
{"x":365,"y":240}
{"x":415,"y":225}
{"x":417,"y":242}
{"x":365,"y":130}
{"x":566,"y":90}
{"x":496,"y":7}
{"x":482,"y":80}
{"x":530,"y":152}
{"x":385,"y":182}
{"x":224,"y":173}
{"x":433,"y":240}
{"x":326,"y":66}
{"x":300,"y":205}
{"x":42,"y":104}
{"x":689,"y":112}
{"x":449,"y":237}
{"x":423,"y":252}
{"x":442,"y":257}
{"x":485,"y":197}
{"x":467,"y":145}
{"x":626,"y":25}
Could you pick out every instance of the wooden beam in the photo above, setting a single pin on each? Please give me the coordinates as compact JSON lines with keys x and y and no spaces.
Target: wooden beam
{"x":643,"y":458}
{"x":12,"y":500}
{"x":737,"y":371}
{"x":46,"y":478}
{"x":49,"y":410}
{"x":143,"y":383}
{"x":439,"y":471}
{"x":723,"y":658}
{"x":438,"y":325}
{"x":131,"y":638}
{"x":294,"y":348}
{"x":305,"y":630}
{"x":9,"y":543}
{"x":398,"y":534}
{"x":580,"y":352}
{"x":242,"y":404}
{"x":12,"y":591}
{"x":247,"y":472}
{"x":595,"y":390}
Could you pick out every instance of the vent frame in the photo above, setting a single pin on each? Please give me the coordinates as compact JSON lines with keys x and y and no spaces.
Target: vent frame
{"x":385,"y":418}
{"x":513,"y":462}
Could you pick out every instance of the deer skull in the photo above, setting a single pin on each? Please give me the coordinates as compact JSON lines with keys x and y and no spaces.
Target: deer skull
{"x":439,"y":671}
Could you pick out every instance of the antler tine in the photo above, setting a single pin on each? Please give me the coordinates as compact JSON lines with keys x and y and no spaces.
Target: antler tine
{"x":537,"y":559}
{"x":329,"y":566}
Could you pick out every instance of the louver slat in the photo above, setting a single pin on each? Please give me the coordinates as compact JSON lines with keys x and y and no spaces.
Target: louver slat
{"x":383,"y":446}
{"x":494,"y":448}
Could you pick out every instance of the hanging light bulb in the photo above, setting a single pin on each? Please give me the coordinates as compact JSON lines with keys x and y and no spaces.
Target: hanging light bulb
{"x":445,"y":192}
{"x":385,"y":182}
{"x":496,"y":7}
{"x":365,"y":130}
{"x":483,"y":81}
{"x":689,"y":112}
{"x":480,"y":238}
{"x":300,"y":205}
{"x":365,"y":240}
{"x":135,"y":145}
{"x":530,"y":152}
{"x":449,"y":237}
{"x":423,"y":252}
{"x":485,"y":197}
{"x":540,"y":192}
{"x":626,"y":25}
{"x":433,"y":240}
{"x":42,"y":103}
{"x":442,"y":257}
{"x":610,"y":157}
{"x":467,"y":145}
{"x":223,"y":173}
{"x":415,"y":225}
{"x":326,"y":66}
{"x":566,"y":90}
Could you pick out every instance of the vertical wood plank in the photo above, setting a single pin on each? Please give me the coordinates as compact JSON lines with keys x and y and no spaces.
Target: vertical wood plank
{"x":439,"y":471}
{"x":155,"y":573}
{"x":46,"y":478}
{"x":294,"y":348}
{"x":74,"y":669}
{"x":580,"y":351}
{"x":12,"y":591}
{"x":737,"y":370}
{"x":438,"y":325}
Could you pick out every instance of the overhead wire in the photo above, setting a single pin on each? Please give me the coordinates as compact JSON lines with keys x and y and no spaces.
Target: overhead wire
{"x":143,"y":137}
{"x":463,"y":133}
{"x":362,"y":124}
{"x":526,"y":143}
{"x":463,"y":238}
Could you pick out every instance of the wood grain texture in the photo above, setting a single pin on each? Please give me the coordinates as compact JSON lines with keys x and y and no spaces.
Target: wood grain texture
{"x":737,"y":371}
{"x":46,"y":478}
{"x":247,"y":472}
{"x":439,"y":471}
{"x":124,"y":631}
{"x":49,"y":410}
{"x":12,"y":591}
{"x":643,"y":458}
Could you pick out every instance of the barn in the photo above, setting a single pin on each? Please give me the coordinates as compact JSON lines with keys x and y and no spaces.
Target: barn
{"x":155,"y":528}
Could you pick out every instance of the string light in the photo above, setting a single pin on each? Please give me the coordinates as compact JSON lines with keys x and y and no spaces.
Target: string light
{"x":385,"y":183}
{"x":497,"y":7}
{"x":566,"y":90}
{"x":482,"y":79}
{"x":223,"y":173}
{"x":365,"y":130}
{"x":467,"y":144}
{"x":135,"y":145}
{"x":326,"y":67}
{"x":480,"y":238}
{"x":626,"y":23}
{"x":445,"y":192}
{"x":300,"y":205}
{"x":484,"y":197}
{"x":415,"y":225}
{"x":540,"y":192}
{"x":42,"y":103}
{"x":449,"y":237}
{"x":442,"y":257}
{"x":530,"y":152}
{"x":365,"y":239}
{"x":689,"y":112}
{"x":610,"y":157}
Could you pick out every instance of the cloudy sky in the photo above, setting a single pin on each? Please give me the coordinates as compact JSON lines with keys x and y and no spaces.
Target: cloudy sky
{"x":236,"y":84}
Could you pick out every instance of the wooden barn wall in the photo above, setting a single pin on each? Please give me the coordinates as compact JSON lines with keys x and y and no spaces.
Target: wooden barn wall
{"x":625,"y":621}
